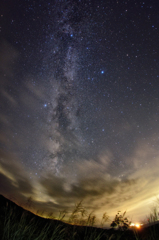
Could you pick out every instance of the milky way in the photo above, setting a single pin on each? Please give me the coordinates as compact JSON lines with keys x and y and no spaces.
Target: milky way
{"x":79,"y":104}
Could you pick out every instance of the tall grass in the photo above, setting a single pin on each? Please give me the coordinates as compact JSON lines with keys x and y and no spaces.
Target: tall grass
{"x":19,"y":224}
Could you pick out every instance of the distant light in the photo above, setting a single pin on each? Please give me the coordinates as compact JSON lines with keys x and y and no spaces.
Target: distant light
{"x":71,"y":35}
{"x":45,"y":105}
{"x":137,"y":225}
{"x":102,"y":72}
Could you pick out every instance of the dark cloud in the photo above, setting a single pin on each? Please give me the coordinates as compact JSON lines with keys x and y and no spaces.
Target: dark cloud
{"x":89,"y":188}
{"x":6,"y":185}
{"x":54,"y":186}
{"x":15,"y":181}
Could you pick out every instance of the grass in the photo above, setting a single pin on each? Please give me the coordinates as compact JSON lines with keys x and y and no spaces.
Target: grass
{"x":19,"y":224}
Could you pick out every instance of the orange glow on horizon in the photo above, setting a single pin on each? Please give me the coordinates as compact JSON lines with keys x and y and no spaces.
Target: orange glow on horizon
{"x":137,"y":225}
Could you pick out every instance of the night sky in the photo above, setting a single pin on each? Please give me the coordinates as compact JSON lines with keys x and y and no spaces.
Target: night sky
{"x":79,"y":104}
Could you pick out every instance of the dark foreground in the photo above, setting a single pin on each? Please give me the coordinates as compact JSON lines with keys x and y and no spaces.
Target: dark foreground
{"x":19,"y":224}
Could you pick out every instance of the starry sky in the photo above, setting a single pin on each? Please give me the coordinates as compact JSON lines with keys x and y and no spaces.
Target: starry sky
{"x":79,"y":104}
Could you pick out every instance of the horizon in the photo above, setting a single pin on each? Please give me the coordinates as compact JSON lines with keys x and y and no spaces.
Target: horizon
{"x":150,"y":218}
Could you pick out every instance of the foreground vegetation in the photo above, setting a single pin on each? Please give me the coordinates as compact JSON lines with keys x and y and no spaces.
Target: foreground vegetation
{"x":19,"y":224}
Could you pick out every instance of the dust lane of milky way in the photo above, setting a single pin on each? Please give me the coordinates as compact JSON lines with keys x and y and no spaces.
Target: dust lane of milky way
{"x":79,"y":105}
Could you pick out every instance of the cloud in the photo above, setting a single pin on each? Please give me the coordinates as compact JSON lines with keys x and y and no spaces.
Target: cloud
{"x":99,"y":191}
{"x":60,"y":193}
{"x":110,"y":192}
{"x":133,"y":191}
{"x":14,"y":179}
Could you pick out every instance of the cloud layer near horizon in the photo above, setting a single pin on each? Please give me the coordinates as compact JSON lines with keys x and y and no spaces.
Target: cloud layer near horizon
{"x":100,"y":192}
